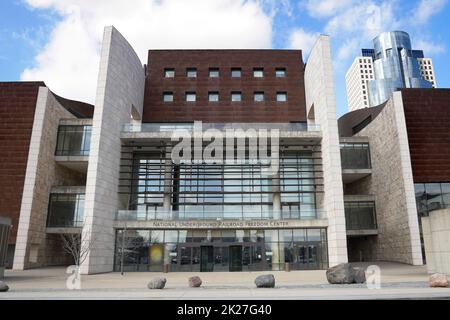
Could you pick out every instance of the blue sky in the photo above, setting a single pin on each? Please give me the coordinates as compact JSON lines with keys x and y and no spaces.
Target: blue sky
{"x":58,"y":41}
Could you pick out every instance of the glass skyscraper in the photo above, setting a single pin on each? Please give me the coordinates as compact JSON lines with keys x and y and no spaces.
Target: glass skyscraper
{"x":395,"y":67}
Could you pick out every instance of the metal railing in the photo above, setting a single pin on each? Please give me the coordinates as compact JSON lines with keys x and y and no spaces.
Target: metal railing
{"x":65,"y":223}
{"x":143,"y":215}
{"x":169,"y":127}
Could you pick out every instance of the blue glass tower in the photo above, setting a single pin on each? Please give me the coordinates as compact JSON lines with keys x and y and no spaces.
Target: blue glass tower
{"x":395,"y":66}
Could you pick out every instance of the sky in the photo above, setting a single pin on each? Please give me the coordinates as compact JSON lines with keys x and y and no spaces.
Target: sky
{"x":59,"y":41}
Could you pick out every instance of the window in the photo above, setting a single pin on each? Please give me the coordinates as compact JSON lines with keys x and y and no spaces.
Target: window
{"x":73,"y":140}
{"x":169,"y":73}
{"x":191,"y":97}
{"x":280,"y":72}
{"x":213,"y":72}
{"x":281,"y":96}
{"x":258,"y":72}
{"x":355,"y":156}
{"x":66,"y":210}
{"x":213,"y":96}
{"x":168,"y":96}
{"x":236,"y":96}
{"x":258,"y":96}
{"x":236,"y":72}
{"x":191,"y":73}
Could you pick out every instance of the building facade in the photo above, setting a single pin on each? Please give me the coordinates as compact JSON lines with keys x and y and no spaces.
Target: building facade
{"x":409,"y":142}
{"x":357,"y":82}
{"x":389,"y":66}
{"x":208,"y":160}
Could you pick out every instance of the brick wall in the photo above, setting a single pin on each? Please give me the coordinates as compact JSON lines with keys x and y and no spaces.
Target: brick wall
{"x":427,"y":114}
{"x":17,"y":106}
{"x":155,"y":110}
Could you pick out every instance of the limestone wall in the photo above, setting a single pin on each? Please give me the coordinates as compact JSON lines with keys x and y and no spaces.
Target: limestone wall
{"x":392,"y":184}
{"x":321,"y":106}
{"x":436,"y":233}
{"x":120,"y":89}
{"x":34,"y":247}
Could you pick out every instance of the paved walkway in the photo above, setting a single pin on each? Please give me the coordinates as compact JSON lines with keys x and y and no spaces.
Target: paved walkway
{"x":397,"y":281}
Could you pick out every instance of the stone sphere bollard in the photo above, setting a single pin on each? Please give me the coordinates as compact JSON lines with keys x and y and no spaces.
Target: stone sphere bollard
{"x":157,"y":283}
{"x":3,"y":287}
{"x":195,"y":282}
{"x":439,"y":280}
{"x":265,"y":281}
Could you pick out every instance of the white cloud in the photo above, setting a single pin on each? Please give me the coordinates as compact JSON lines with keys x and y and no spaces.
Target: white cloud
{"x":426,"y":9}
{"x":365,"y":19}
{"x":325,"y":8}
{"x":68,"y":63}
{"x":429,"y":47}
{"x":348,"y":49}
{"x":304,"y":40}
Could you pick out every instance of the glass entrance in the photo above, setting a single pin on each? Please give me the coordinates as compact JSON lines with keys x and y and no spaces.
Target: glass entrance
{"x":207,"y":259}
{"x":235,"y":258}
{"x":306,"y":256}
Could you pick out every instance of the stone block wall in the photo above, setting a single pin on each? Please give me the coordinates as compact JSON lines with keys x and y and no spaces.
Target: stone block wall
{"x":321,"y":104}
{"x":392,"y":185}
{"x":120,"y":88}
{"x":436,"y":234}
{"x":32,"y":249}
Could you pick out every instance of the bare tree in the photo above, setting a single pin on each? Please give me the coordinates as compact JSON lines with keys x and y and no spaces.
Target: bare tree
{"x":78,"y":245}
{"x":127,"y":246}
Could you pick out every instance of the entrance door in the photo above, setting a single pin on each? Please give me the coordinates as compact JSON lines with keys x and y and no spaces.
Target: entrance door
{"x":307,"y":256}
{"x":235,"y":258}
{"x":207,"y":259}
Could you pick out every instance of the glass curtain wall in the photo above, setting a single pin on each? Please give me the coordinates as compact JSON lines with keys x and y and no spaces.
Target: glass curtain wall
{"x":220,"y":250}
{"x":297,"y":186}
{"x":231,"y":191}
{"x":432,"y":196}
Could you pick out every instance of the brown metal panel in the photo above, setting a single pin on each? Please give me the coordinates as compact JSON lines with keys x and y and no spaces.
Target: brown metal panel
{"x":427,"y":114}
{"x":155,"y":110}
{"x":17,"y":107}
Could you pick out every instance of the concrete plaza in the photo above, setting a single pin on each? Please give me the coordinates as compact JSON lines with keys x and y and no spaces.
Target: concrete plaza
{"x":398,"y":281}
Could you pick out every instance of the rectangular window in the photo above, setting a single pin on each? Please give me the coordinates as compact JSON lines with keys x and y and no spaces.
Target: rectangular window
{"x":168,"y":97}
{"x":65,"y":210}
{"x":169,"y":73}
{"x":191,"y":73}
{"x":213,"y":72}
{"x":73,"y":140}
{"x":236,"y":96}
{"x":281,"y":96}
{"x":258,"y":72}
{"x":236,"y":72}
{"x":191,"y":97}
{"x":280,"y":72}
{"x":213,"y":96}
{"x":258,"y":96}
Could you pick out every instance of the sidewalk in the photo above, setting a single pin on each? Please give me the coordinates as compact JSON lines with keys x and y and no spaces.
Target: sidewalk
{"x":398,"y":281}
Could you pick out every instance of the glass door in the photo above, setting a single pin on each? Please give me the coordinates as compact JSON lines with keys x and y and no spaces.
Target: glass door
{"x":207,"y":259}
{"x":184,"y":258}
{"x":235,"y":257}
